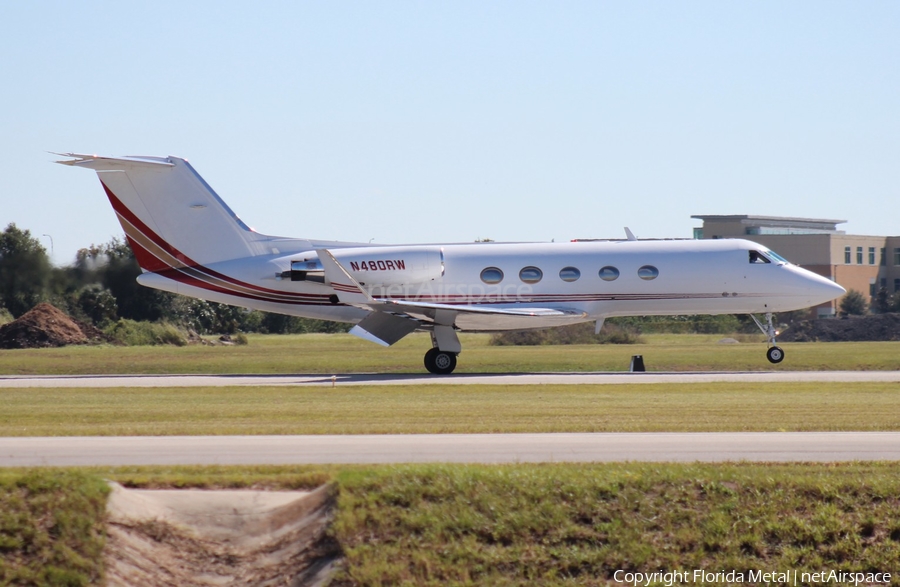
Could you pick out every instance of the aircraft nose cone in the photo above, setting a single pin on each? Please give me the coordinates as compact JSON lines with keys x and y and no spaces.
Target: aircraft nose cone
{"x":825,"y":289}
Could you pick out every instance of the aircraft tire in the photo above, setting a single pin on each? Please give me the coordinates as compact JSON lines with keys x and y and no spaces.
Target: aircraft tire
{"x":440,"y":362}
{"x":775,"y":354}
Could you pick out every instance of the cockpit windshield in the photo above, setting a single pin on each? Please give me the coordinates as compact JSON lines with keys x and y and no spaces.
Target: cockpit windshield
{"x":766,"y":256}
{"x":776,"y":257}
{"x":757,"y":257}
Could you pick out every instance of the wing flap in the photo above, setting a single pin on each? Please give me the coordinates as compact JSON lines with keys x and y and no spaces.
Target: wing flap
{"x":478,"y":318}
{"x":384,"y":328}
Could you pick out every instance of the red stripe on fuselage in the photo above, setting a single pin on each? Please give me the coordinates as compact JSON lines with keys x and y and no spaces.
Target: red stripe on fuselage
{"x":181,"y":277}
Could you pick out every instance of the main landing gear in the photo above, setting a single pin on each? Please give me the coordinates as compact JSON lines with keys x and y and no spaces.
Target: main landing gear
{"x":775,"y":354}
{"x":441,"y":359}
{"x":440,"y":362}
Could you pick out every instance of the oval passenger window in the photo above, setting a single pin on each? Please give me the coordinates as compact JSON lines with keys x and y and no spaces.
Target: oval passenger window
{"x":569,"y":274}
{"x":648,"y":272}
{"x":491,"y":275}
{"x":609,"y":273}
{"x":531,"y":274}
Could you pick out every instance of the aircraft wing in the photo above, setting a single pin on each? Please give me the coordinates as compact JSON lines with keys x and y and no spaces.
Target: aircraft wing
{"x":392,"y":319}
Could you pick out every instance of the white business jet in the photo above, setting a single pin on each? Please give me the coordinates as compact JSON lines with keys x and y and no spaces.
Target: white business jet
{"x":188,"y":241}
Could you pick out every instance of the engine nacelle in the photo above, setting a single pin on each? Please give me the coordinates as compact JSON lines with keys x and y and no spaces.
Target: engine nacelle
{"x":391,"y":266}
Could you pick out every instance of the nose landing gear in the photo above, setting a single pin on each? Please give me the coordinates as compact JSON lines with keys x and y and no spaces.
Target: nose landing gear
{"x":775,"y":354}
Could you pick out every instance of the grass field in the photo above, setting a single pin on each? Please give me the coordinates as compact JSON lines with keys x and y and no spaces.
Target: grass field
{"x":51,"y":527}
{"x":343,"y":353}
{"x":476,"y":525}
{"x":508,"y":525}
{"x":451,"y":408}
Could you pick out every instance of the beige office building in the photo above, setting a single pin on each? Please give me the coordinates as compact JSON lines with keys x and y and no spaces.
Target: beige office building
{"x":863,"y":263}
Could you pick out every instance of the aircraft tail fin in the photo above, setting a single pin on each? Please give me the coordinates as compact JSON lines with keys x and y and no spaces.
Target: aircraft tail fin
{"x":171,"y":216}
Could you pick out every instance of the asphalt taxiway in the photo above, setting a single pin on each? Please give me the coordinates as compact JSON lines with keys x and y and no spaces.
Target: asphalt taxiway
{"x":608,"y":378}
{"x":451,"y":448}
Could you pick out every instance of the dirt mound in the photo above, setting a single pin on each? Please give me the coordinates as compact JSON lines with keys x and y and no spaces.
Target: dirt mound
{"x":46,"y":326}
{"x":197,"y":537}
{"x":873,"y":327}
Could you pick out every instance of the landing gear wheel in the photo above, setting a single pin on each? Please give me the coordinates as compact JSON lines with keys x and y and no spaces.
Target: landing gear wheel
{"x":440,"y":362}
{"x":775,"y":354}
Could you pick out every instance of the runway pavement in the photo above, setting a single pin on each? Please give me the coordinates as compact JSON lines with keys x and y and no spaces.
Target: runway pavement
{"x":451,"y":448}
{"x":456,"y":379}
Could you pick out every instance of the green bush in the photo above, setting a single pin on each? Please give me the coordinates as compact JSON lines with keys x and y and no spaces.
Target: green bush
{"x":723,"y":324}
{"x":132,"y":333}
{"x":854,"y":304}
{"x":572,"y":334}
{"x":5,"y":316}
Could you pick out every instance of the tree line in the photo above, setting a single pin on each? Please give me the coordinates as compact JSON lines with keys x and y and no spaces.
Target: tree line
{"x":100,"y":288}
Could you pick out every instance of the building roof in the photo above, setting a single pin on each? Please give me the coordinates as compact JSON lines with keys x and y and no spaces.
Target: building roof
{"x":773,"y":221}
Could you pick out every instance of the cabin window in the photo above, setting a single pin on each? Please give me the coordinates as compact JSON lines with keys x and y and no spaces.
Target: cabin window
{"x":569,"y":274}
{"x":609,"y":273}
{"x":757,"y":257}
{"x":531,"y":274}
{"x":648,"y":272}
{"x":491,"y":275}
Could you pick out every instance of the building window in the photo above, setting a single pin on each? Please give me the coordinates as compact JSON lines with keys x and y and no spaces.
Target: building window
{"x":859,"y":255}
{"x":883,"y":256}
{"x":847,"y":255}
{"x":896,"y":255}
{"x":896,"y":284}
{"x":871,"y":255}
{"x":491,"y":275}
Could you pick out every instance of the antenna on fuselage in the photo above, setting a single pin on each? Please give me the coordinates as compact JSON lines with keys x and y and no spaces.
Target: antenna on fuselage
{"x":630,"y":234}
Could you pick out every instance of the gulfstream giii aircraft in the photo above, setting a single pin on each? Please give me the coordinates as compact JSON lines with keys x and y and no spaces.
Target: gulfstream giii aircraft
{"x":188,"y":241}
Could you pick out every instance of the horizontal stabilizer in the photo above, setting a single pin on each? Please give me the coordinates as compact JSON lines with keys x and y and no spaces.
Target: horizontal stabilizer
{"x":171,"y":217}
{"x":106,"y":163}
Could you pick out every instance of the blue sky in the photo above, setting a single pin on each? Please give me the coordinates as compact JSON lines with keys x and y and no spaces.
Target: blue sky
{"x":446,"y":122}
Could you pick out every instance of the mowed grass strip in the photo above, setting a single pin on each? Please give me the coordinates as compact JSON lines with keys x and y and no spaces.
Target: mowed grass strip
{"x":450,"y":409}
{"x":577,"y":525}
{"x":51,"y":527}
{"x":343,"y":353}
{"x":546,"y":524}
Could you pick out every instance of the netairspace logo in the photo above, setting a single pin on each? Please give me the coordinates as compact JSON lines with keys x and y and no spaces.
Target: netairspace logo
{"x":453,"y":293}
{"x":789,"y":577}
